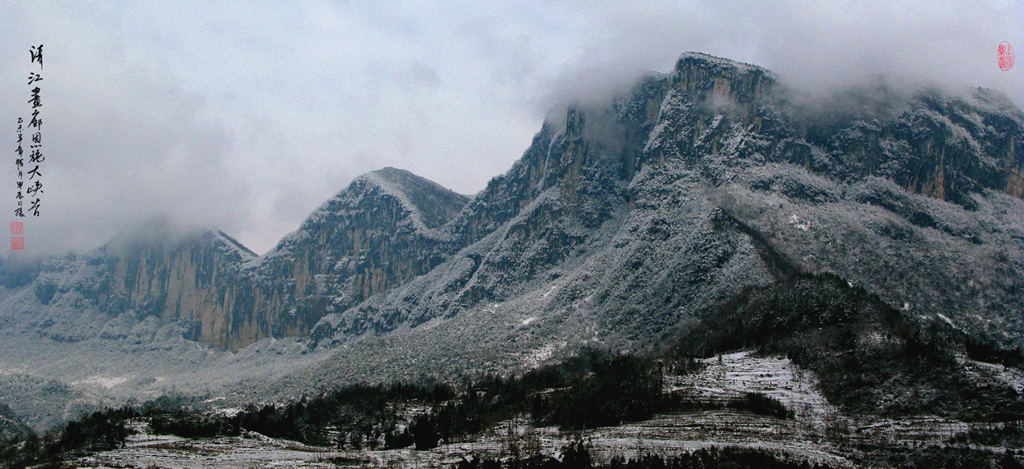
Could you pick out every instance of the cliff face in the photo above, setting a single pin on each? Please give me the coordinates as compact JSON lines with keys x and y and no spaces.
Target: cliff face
{"x":378,"y":233}
{"x":192,"y":280}
{"x":633,"y":217}
{"x":589,"y":212}
{"x":187,"y":279}
{"x":928,"y":143}
{"x":645,"y":213}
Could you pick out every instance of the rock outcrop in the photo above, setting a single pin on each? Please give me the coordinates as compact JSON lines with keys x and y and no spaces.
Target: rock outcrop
{"x":379,"y":232}
{"x":645,"y":213}
{"x":640,"y":215}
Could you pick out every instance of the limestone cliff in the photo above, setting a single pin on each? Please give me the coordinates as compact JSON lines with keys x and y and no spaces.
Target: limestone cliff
{"x":634,"y":217}
{"x":191,"y":279}
{"x":380,"y":232}
{"x":645,"y":213}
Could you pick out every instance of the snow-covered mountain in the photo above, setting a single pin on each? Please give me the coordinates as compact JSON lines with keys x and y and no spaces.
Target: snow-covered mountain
{"x":621,"y":224}
{"x":646,"y":213}
{"x":381,"y":231}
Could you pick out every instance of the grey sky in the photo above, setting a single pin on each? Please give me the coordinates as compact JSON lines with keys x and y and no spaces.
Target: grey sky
{"x":247,"y":115}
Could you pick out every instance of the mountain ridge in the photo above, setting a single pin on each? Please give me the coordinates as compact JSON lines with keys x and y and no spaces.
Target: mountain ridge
{"x":582,"y":170}
{"x":717,"y":108}
{"x":621,"y":224}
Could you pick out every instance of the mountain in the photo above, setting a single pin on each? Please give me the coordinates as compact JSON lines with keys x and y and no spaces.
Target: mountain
{"x":645,"y":214}
{"x":154,"y":271}
{"x":380,"y":231}
{"x":622,"y":224}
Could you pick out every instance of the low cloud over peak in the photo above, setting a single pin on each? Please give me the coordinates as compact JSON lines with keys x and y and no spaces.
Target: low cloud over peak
{"x":247,"y":119}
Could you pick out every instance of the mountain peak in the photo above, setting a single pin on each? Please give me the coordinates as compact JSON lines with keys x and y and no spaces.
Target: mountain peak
{"x":162,"y":231}
{"x":233,"y":243}
{"x":392,"y":173}
{"x":430,"y":203}
{"x":700,"y":60}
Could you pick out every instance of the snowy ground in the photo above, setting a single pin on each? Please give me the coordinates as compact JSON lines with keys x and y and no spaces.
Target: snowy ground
{"x":729,"y":376}
{"x":666,"y":434}
{"x":806,"y":437}
{"x":249,"y":451}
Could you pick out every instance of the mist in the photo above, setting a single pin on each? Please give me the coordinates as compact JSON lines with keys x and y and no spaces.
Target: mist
{"x":218,"y":114}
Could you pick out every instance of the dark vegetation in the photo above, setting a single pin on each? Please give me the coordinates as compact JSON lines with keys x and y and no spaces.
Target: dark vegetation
{"x":761,"y":404}
{"x":1004,"y":434}
{"x":98,"y":431}
{"x":593,"y":388}
{"x":363,"y":415}
{"x":11,"y":426}
{"x":951,"y":457}
{"x":577,"y":455}
{"x":869,"y":357}
{"x":753,"y":402}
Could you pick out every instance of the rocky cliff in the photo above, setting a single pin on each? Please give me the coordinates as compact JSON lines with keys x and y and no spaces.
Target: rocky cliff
{"x":379,"y":232}
{"x":639,"y":215}
{"x":176,"y":277}
{"x":382,"y":231}
{"x":647,"y":212}
{"x":191,"y":280}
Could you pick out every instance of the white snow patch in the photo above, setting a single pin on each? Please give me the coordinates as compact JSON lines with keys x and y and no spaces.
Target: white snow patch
{"x":102,"y":381}
{"x":11,"y":371}
{"x":799,"y":223}
{"x":538,"y":356}
{"x":228,"y":411}
{"x":733,"y":374}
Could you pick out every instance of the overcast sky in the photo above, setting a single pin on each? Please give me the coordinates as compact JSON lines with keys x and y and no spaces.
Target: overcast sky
{"x":248,"y":115}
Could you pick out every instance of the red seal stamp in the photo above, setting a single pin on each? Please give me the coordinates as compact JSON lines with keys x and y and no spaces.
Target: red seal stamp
{"x":1005,"y":56}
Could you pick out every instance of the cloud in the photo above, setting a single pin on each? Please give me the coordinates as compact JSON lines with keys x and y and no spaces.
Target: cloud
{"x":816,"y":46}
{"x":822,"y":46}
{"x":122,"y":143}
{"x":220,"y":113}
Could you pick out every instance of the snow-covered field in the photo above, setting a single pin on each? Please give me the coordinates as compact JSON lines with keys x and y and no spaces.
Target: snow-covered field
{"x":732,"y":375}
{"x":669,"y":433}
{"x":806,"y":437}
{"x":248,"y":451}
